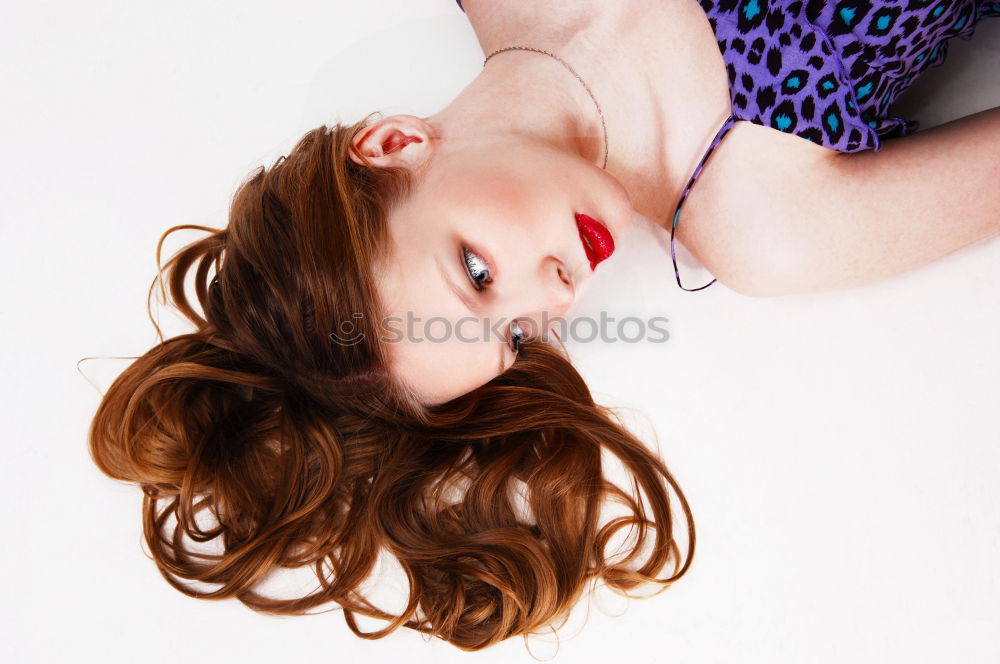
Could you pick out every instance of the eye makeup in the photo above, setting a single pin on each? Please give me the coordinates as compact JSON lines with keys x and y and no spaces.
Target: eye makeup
{"x":477,"y":268}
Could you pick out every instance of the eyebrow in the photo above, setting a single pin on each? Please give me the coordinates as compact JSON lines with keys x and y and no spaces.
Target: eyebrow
{"x":471,"y":304}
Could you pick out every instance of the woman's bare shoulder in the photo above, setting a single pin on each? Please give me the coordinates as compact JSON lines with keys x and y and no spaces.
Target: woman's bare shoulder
{"x":755,"y":177}
{"x":772,"y":213}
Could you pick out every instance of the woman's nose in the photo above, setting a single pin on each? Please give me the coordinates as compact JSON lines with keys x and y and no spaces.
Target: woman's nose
{"x":558,"y":290}
{"x":545,"y":297}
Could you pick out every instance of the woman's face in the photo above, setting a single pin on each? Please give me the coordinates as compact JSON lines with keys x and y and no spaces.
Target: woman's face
{"x":489,"y":236}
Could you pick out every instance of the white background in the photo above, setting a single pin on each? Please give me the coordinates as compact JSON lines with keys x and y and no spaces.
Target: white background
{"x":841,"y":451}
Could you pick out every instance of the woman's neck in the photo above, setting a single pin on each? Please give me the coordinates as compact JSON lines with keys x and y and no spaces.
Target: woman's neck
{"x":627,"y":54}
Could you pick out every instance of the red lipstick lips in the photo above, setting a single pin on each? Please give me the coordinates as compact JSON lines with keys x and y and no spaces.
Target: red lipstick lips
{"x":596,"y":238}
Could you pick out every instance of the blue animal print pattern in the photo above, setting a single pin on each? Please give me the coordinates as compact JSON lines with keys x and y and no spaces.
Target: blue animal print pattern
{"x":830,"y":72}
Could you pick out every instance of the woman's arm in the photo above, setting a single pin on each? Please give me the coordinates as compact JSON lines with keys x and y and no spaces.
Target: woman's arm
{"x":914,"y":201}
{"x":871,"y":215}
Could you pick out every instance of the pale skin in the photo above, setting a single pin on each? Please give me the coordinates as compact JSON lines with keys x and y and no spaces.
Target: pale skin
{"x":506,"y":164}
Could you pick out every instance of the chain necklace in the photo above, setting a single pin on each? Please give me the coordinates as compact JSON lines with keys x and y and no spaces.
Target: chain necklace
{"x":572,"y":71}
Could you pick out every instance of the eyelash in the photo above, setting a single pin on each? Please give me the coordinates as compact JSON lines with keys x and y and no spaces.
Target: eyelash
{"x":516,"y":338}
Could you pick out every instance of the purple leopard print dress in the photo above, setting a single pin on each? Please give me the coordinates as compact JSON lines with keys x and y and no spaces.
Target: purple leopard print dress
{"x":829,"y":72}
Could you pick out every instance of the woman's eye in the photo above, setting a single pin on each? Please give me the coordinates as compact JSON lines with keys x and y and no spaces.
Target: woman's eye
{"x":478,"y":270}
{"x":516,"y":336}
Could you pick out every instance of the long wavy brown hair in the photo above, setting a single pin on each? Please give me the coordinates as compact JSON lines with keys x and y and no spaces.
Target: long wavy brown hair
{"x":260,"y":435}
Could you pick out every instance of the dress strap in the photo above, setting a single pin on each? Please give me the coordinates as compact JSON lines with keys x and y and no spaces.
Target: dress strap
{"x":726,"y":126}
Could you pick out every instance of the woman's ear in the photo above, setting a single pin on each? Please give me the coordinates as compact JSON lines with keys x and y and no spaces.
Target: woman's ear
{"x":396,"y":140}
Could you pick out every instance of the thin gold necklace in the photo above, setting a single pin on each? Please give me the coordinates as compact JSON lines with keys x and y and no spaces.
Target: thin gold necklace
{"x":572,"y":71}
